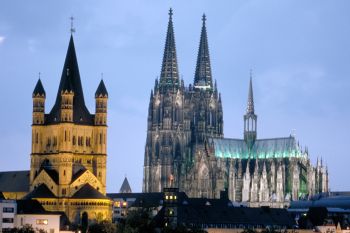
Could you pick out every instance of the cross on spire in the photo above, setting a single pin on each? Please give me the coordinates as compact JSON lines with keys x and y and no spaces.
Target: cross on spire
{"x":170,"y":13}
{"x":72,"y":29}
{"x":39,"y":75}
{"x":204,"y":18}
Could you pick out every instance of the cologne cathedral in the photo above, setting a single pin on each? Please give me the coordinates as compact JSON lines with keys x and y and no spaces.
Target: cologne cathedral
{"x":186,"y":147}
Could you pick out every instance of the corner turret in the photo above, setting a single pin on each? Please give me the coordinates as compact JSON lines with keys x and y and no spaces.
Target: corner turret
{"x":39,"y":97}
{"x":101,"y":97}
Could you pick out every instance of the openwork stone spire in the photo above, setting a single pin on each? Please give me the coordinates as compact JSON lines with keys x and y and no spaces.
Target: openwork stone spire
{"x":203,"y":78}
{"x":169,"y":77}
{"x":250,"y":105}
{"x":250,"y":119}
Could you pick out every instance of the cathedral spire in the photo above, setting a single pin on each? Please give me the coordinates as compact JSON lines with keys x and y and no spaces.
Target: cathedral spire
{"x":250,"y":119}
{"x":203,"y":78}
{"x":250,"y":105}
{"x":169,"y":77}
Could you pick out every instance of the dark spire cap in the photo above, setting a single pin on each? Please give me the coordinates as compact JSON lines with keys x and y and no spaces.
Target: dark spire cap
{"x":101,"y":90}
{"x":70,"y":79}
{"x":39,"y":89}
{"x":125,"y":188}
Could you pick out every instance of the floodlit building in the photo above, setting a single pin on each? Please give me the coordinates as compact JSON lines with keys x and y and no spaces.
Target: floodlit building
{"x":186,"y":147}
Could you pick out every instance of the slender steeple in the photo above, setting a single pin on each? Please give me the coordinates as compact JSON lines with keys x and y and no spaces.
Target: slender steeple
{"x":250,"y":119}
{"x":70,"y":79}
{"x":169,"y":77}
{"x":250,"y":105}
{"x":203,"y":78}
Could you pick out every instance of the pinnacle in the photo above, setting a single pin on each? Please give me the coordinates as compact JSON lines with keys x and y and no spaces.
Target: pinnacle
{"x":203,"y":76}
{"x":169,"y":78}
{"x":250,"y":104}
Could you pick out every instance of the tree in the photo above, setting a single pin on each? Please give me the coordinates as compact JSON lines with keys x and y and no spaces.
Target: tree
{"x":27,"y":229}
{"x":103,"y":227}
{"x":136,"y":221}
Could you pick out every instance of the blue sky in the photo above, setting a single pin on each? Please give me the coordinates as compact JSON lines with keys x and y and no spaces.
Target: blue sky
{"x":299,"y":52}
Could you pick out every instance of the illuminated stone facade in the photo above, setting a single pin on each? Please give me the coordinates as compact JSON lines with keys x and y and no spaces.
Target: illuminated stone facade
{"x":68,"y":158}
{"x":186,"y":148}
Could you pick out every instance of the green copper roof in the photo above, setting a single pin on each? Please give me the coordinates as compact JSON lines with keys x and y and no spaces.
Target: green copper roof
{"x":262,"y":148}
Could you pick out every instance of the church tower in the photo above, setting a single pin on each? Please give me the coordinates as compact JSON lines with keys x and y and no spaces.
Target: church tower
{"x":207,"y":107}
{"x":250,"y":119}
{"x":69,"y":152}
{"x":168,"y":133}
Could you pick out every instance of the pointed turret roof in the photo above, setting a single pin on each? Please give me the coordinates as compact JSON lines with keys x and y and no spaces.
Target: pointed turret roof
{"x":203,"y":78}
{"x":101,"y":90}
{"x":169,"y":77}
{"x":250,"y":104}
{"x":39,"y":89}
{"x":125,"y":188}
{"x":70,"y":80}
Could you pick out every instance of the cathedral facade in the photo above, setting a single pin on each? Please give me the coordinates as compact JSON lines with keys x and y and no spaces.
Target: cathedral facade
{"x":186,"y":148}
{"x":68,"y":155}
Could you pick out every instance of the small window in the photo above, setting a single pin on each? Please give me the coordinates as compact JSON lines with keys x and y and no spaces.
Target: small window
{"x":42,"y":222}
{"x":7,"y":220}
{"x":8,"y":210}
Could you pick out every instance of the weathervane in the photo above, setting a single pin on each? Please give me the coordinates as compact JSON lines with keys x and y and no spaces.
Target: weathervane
{"x":72,"y":29}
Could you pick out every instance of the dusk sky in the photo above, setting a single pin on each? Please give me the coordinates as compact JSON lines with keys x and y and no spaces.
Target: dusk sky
{"x":299,"y":52}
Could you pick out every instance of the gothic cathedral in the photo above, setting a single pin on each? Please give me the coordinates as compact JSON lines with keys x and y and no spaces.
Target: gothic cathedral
{"x":68,"y":158}
{"x":186,"y":148}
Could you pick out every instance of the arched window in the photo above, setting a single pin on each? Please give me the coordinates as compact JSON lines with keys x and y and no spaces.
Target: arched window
{"x":178,"y":150}
{"x":157,"y":149}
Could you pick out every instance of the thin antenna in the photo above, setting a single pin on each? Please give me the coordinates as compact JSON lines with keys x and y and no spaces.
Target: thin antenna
{"x":72,"y":29}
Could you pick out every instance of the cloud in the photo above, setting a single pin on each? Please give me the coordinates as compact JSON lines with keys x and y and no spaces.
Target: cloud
{"x":2,"y":39}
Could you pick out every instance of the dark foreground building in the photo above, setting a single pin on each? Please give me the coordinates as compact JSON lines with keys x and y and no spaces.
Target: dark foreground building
{"x":172,"y":208}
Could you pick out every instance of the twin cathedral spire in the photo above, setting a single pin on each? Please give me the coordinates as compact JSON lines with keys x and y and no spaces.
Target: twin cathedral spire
{"x":169,"y":77}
